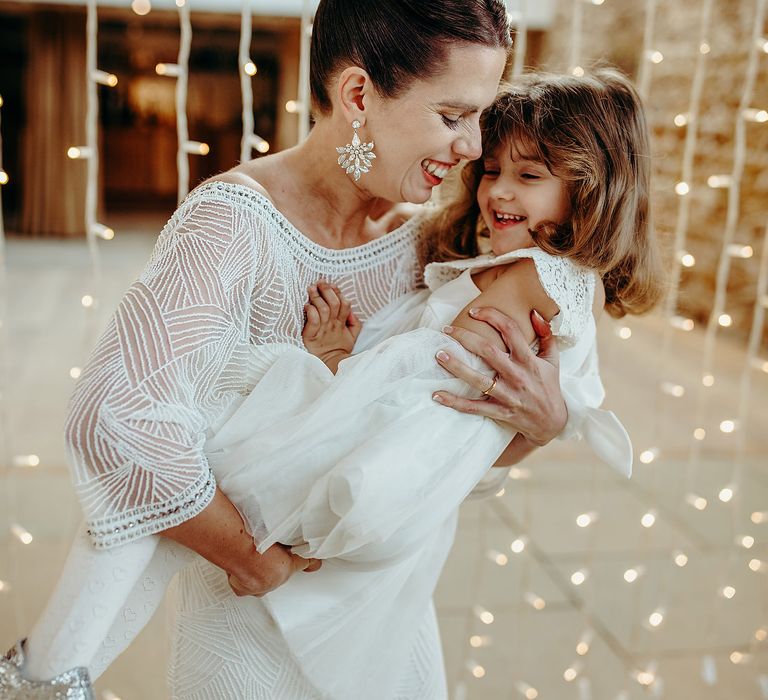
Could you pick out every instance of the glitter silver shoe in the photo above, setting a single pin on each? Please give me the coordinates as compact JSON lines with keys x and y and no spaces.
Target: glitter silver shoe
{"x":74,"y":684}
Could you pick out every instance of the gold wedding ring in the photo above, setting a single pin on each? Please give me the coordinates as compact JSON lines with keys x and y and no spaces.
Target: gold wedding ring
{"x":488,"y":391}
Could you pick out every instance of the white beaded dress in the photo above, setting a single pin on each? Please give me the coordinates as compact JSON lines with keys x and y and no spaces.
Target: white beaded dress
{"x":202,"y":369}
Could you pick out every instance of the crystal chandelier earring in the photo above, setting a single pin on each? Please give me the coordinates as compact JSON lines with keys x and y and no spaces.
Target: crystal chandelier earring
{"x":356,"y":157}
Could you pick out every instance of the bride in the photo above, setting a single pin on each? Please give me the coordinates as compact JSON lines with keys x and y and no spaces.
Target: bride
{"x":228,"y":276}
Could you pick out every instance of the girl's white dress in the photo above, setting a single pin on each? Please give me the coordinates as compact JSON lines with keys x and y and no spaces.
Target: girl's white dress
{"x":362,"y":469}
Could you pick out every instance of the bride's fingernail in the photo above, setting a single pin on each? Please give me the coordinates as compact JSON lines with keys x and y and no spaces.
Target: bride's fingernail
{"x":448,"y":329}
{"x":474,"y":312}
{"x":438,"y":398}
{"x":442,"y":356}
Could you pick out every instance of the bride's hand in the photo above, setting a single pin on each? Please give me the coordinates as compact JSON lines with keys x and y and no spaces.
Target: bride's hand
{"x":272,"y":569}
{"x":526,"y":395}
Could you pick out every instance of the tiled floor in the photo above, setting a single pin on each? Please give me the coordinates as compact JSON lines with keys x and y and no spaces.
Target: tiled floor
{"x":48,"y":332}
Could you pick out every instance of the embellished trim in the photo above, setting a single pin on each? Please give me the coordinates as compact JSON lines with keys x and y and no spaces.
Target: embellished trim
{"x":357,"y":258}
{"x":74,"y":684}
{"x":149,"y":520}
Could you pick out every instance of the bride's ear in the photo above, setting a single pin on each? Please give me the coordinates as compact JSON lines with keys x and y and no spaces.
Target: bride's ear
{"x":354,"y":87}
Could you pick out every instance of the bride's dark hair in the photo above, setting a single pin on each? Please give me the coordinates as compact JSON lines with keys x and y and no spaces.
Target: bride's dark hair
{"x":397,"y":41}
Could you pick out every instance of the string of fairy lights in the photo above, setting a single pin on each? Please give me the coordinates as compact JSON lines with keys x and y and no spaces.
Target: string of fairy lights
{"x":5,"y":451}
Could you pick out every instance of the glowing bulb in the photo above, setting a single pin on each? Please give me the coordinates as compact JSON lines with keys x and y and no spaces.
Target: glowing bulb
{"x":3,"y":177}
{"x":687,"y":260}
{"x":736,"y":657}
{"x":1,"y":100}
{"x":727,"y":426}
{"x":682,"y":188}
{"x":87,"y":301}
{"x":478,"y":671}
{"x":747,"y":541}
{"x":498,"y":557}
{"x":725,"y":320}
{"x":21,"y":534}
{"x":756,"y":565}
{"x":728,"y":592}
{"x":500,"y":493}
{"x":104,"y":78}
{"x":486,"y":617}
{"x":761,"y":635}
{"x":585,"y":519}
{"x":698,"y":502}
{"x":649,"y":455}
{"x":681,"y":119}
{"x":26,"y":461}
{"x":598,"y":2}
{"x":672,"y":389}
{"x":536,"y":602}
{"x":172,"y":70}
{"x":704,"y":48}
{"x":755,"y":115}
{"x":708,"y":380}
{"x":292,"y":106}
{"x":757,"y":363}
{"x":699,"y":433}
{"x":682,"y":324}
{"x":737,"y":250}
{"x":103,"y":231}
{"x":624,"y":332}
{"x":656,"y":618}
{"x":531,"y":694}
{"x":631,"y":575}
{"x":262,"y":147}
{"x":582,"y":648}
{"x":759,"y":516}
{"x":197,"y":148}
{"x":578,"y":577}
{"x":181,"y":3}
{"x":578,"y":71}
{"x":518,"y":545}
{"x":645,"y":678}
{"x":681,"y":559}
{"x":648,"y":519}
{"x":479,"y":640}
{"x":726,"y":494}
{"x":4,"y":586}
{"x":75,"y":372}
{"x":656,"y":56}
{"x":75,"y":152}
{"x":570,"y":674}
{"x":517,"y":473}
{"x":762,"y":44}
{"x":719,"y":181}
{"x":250,"y":68}
{"x":141,"y":7}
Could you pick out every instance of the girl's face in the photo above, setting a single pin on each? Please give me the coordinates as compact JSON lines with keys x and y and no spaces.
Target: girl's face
{"x":516,"y":194}
{"x":430,"y":128}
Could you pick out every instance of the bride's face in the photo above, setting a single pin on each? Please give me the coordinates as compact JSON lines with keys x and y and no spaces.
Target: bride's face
{"x":422,"y":134}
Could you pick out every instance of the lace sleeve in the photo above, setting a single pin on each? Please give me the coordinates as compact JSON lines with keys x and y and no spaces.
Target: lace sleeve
{"x":570,"y":286}
{"x":166,"y":364}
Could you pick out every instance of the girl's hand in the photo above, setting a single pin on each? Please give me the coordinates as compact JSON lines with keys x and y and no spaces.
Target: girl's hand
{"x":331,"y":329}
{"x":526,"y":395}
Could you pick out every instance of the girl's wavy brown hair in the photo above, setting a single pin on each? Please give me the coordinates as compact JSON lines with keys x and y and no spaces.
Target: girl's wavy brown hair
{"x":591,"y":133}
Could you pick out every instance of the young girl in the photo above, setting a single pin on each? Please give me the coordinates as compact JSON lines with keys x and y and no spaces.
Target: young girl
{"x":562,"y":195}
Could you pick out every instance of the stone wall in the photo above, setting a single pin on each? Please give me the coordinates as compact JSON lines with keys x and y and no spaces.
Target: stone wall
{"x":614,"y":31}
